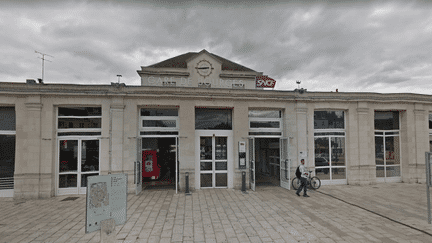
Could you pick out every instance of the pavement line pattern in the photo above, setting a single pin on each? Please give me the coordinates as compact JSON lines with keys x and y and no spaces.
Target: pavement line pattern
{"x":352,"y":204}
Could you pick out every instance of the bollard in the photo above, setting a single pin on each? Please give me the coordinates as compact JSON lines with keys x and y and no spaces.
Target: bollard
{"x":187,"y":183}
{"x":243,"y":181}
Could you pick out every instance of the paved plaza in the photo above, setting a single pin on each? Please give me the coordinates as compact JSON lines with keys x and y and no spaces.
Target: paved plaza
{"x":394,"y":212}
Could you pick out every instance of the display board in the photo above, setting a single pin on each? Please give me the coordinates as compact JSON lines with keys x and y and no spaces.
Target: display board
{"x":106,"y":198}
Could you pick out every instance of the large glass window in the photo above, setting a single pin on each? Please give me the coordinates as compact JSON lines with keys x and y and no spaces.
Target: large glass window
{"x":7,"y":150}
{"x":155,"y":119}
{"x":79,"y":121}
{"x":387,"y":144}
{"x":213,"y":119}
{"x":265,"y":122}
{"x":329,"y":136}
{"x":7,"y":119}
{"x":386,"y":120}
{"x":329,"y":120}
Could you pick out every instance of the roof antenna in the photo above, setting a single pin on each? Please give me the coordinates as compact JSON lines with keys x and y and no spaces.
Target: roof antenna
{"x":43,"y":62}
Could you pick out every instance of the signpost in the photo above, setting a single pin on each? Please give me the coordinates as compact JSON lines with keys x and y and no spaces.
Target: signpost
{"x":428,"y":182}
{"x":106,"y":199}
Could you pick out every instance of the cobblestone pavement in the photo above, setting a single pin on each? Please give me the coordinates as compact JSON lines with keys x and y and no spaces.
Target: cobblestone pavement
{"x":271,"y":214}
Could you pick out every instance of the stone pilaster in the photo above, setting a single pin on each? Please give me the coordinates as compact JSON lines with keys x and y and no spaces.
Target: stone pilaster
{"x":302,"y":136}
{"x":417,"y":167}
{"x":187,"y":159}
{"x":364,"y":169}
{"x":28,"y":163}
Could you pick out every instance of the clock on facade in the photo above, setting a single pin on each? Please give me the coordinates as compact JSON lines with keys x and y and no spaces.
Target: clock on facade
{"x":204,"y":68}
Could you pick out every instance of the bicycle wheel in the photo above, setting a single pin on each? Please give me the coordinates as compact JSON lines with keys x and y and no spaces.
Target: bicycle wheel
{"x":315,"y":182}
{"x":296,"y":182}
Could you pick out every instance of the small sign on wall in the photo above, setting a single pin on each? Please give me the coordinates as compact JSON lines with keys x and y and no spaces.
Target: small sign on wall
{"x":242,"y":155}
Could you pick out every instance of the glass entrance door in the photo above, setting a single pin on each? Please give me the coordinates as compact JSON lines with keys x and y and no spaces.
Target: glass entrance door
{"x":78,"y":159}
{"x":213,"y":162}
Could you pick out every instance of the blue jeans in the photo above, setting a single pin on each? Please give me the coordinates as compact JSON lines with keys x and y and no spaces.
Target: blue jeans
{"x":302,"y":186}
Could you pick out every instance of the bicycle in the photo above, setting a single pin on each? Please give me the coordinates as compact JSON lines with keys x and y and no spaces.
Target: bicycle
{"x":311,"y":182}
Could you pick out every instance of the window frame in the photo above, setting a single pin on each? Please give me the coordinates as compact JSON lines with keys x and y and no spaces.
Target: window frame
{"x":266,"y":119}
{"x":331,"y":133}
{"x":78,"y":130}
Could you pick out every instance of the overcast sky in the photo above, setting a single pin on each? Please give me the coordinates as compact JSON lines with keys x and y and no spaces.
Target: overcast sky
{"x":375,"y":46}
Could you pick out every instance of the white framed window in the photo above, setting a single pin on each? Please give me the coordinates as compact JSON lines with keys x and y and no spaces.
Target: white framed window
{"x":329,"y":146}
{"x":79,"y":133}
{"x":387,"y":146}
{"x":265,"y":122}
{"x":155,"y":119}
{"x":78,"y":121}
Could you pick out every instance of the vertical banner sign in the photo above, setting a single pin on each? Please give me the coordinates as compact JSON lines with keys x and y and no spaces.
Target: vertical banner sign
{"x":106,"y":199}
{"x":264,"y":82}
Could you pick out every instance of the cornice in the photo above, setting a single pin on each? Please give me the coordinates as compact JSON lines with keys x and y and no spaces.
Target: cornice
{"x":52,"y":90}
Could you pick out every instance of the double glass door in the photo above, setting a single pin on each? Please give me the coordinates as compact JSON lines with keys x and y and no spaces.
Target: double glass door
{"x":214,"y":159}
{"x":213,"y":162}
{"x":78,"y":159}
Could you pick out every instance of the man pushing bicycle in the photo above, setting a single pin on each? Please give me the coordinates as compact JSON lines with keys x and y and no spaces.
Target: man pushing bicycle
{"x":303,"y":178}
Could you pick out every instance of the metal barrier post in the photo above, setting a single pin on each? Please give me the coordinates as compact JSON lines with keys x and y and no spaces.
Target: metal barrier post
{"x":243,"y":181}
{"x":187,"y":183}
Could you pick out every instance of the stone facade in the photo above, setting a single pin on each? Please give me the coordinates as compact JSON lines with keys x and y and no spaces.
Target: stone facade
{"x":37,"y":141}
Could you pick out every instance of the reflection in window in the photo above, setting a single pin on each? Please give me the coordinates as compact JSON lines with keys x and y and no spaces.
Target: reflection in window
{"x":329,"y":120}
{"x":7,"y":156}
{"x":90,"y":155}
{"x":221,"y":148}
{"x":84,"y":178}
{"x":69,"y":180}
{"x":265,"y":114}
{"x":80,"y":111}
{"x":159,"y":112}
{"x":206,"y":180}
{"x":213,"y":119}
{"x":264,"y":124}
{"x":386,"y":120}
{"x":205,"y":148}
{"x":338,"y":151}
{"x":65,"y":123}
{"x":159,"y":123}
{"x":68,"y":155}
{"x":7,"y":118}
{"x":430,"y":121}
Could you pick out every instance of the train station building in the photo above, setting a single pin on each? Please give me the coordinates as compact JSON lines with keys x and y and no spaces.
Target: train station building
{"x":201,"y":116}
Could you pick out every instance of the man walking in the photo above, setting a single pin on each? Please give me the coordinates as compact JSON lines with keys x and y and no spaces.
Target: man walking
{"x":303,"y":179}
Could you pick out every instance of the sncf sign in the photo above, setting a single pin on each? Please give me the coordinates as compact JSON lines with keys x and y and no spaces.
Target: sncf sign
{"x":264,"y":82}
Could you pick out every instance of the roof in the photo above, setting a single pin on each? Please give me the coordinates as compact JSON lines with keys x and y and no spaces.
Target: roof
{"x":180,"y":61}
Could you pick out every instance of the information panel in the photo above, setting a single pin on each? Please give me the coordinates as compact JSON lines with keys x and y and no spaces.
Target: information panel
{"x":106,"y":198}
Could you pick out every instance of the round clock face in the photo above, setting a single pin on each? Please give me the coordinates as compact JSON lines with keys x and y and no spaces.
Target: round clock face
{"x":204,"y":68}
